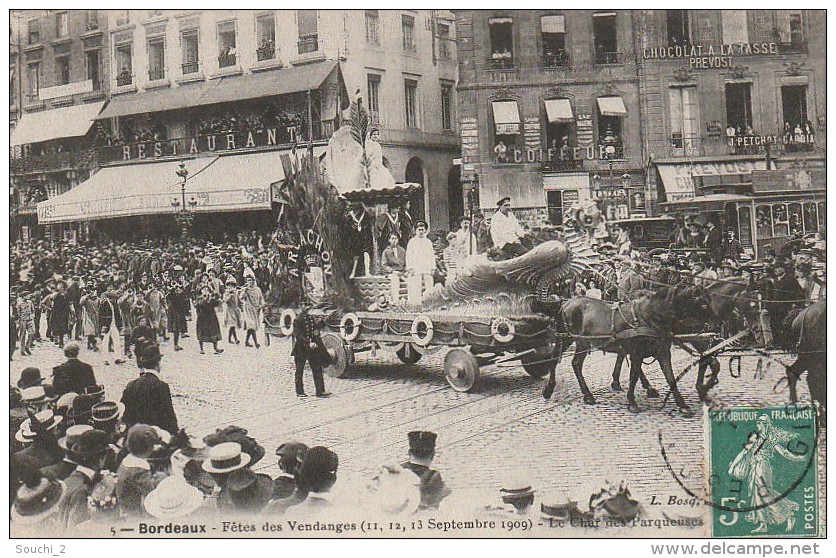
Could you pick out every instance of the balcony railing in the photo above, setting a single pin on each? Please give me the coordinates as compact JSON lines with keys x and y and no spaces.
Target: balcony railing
{"x":52,"y":162}
{"x":265,"y":52}
{"x":308,"y":43}
{"x":561,"y":165}
{"x":226,"y":60}
{"x":155,"y":74}
{"x":124,"y":79}
{"x":190,"y":68}
{"x":497,"y":63}
{"x":558,"y":59}
{"x":604,"y":58}
{"x":795,"y":47}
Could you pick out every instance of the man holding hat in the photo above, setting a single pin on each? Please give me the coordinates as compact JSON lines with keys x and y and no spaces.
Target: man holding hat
{"x":421,"y":455}
{"x":73,"y":375}
{"x":420,"y":264}
{"x":506,"y":232}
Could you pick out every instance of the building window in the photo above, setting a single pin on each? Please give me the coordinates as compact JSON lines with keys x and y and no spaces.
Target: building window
{"x":506,"y":128}
{"x":556,"y":200}
{"x":91,"y":20}
{"x":445,"y":43}
{"x":739,"y":108}
{"x":410,"y":88}
{"x":605,"y":38}
{"x":13,"y":71}
{"x":611,"y":111}
{"x":62,"y":26}
{"x":34,"y":80}
{"x":446,"y":106}
{"x":502,"y":42}
{"x":156,"y":59}
{"x":408,"y":30}
{"x":678,"y":28}
{"x":796,"y":28}
{"x":266,"y":37}
{"x":374,"y":98}
{"x":373,"y":27}
{"x":735,"y":27}
{"x":227,"y":55}
{"x":798,"y":132}
{"x":684,"y":120}
{"x":553,"y":32}
{"x":308,"y":31}
{"x":62,"y":70}
{"x":124,"y":64}
{"x":93,"y":68}
{"x":559,"y":128}
{"x":34,"y":31}
{"x":189,"y":41}
{"x":791,"y":35}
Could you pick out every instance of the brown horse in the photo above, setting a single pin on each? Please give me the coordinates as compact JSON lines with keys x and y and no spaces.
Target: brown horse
{"x":728,"y":302}
{"x":641,"y":328}
{"x":809,"y":331}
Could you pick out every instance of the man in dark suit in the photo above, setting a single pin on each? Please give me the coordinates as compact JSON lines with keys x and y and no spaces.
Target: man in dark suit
{"x":785,"y":293}
{"x":714,"y":241}
{"x":91,"y":451}
{"x":147,"y":399}
{"x":421,"y":455}
{"x":74,"y":299}
{"x":308,"y":347}
{"x":73,"y":375}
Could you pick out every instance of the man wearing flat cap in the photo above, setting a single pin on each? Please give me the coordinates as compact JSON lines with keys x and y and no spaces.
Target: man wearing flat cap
{"x":421,"y":455}
{"x":506,"y":232}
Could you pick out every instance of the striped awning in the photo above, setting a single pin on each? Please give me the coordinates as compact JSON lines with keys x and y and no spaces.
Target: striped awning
{"x":559,"y":110}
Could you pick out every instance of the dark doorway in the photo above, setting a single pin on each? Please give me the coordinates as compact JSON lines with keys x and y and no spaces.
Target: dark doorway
{"x":455,"y":196}
{"x":415,"y":174}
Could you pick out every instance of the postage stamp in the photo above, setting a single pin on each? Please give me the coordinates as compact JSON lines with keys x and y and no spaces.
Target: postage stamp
{"x":763,"y":471}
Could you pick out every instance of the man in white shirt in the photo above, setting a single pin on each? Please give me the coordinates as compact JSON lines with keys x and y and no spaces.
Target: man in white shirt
{"x":506,"y":231}
{"x":420,"y":263}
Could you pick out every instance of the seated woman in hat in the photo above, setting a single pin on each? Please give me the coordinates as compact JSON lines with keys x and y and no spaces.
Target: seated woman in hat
{"x":135,"y":478}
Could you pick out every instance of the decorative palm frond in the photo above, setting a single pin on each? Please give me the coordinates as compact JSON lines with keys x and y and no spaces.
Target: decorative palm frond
{"x":359,"y":122}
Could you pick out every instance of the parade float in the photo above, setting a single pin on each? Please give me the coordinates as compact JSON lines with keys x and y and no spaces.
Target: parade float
{"x":487,"y":312}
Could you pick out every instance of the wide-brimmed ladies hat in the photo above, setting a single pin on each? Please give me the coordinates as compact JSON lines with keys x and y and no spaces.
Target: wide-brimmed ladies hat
{"x":173,"y":498}
{"x":38,"y":500}
{"x":249,"y":491}
{"x":225,"y":458}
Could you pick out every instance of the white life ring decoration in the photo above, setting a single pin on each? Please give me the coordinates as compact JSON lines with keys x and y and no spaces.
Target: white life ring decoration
{"x":502,"y":330}
{"x":350,"y":326}
{"x":422,"y":330}
{"x":286,"y":321}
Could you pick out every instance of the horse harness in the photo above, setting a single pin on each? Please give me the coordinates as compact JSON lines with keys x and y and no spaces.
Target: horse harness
{"x":635,"y":329}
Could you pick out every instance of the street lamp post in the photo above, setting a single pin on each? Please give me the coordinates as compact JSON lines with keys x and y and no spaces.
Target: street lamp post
{"x":185,"y":214}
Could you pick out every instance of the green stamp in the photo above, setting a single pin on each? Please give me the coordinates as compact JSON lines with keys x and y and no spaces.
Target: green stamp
{"x":764,"y":471}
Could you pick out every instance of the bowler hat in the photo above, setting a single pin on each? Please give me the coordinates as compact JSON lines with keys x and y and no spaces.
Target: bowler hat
{"x":91,"y":443}
{"x":248,"y":490}
{"x":149,"y":356}
{"x":29,"y":377}
{"x":319,"y":469}
{"x":422,"y":444}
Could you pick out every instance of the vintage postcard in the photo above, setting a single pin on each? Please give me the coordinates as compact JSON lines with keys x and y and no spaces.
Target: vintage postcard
{"x":417,"y":273}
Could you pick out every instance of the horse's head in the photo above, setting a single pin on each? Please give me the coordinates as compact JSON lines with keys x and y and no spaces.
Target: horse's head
{"x":680,"y":303}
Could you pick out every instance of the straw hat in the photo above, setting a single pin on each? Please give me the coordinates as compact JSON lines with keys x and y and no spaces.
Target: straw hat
{"x":225,"y":458}
{"x":398,"y":491}
{"x":173,"y":498}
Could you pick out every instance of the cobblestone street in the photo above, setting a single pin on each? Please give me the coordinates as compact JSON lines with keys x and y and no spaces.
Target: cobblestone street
{"x":504,"y":426}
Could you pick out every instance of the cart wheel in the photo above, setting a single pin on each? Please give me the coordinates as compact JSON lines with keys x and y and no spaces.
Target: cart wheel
{"x":341,"y":354}
{"x":461,"y":369}
{"x":532,"y":364}
{"x":408,"y":354}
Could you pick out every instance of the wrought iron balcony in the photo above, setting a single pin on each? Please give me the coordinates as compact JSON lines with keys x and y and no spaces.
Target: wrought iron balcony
{"x":124,"y":78}
{"x":684,"y":146}
{"x":608,"y":58}
{"x":265,"y":52}
{"x":190,"y":68}
{"x":226,"y":60}
{"x":501,"y":63}
{"x":155,"y":74}
{"x":556,"y":59}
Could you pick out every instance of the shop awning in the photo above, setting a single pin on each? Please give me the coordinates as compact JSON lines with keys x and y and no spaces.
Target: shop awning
{"x":678,"y":178}
{"x":709,"y":203}
{"x":66,"y":122}
{"x":612,"y":106}
{"x":225,"y":183}
{"x":223,"y":90}
{"x":559,"y":110}
{"x":506,"y":117}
